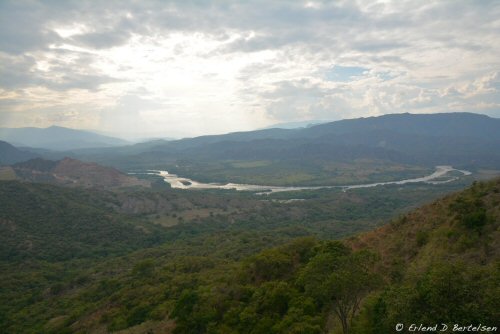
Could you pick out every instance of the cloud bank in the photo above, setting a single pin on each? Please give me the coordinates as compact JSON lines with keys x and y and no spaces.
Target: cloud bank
{"x":184,"y":68}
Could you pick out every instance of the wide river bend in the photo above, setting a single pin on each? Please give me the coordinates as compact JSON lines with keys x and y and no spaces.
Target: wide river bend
{"x":440,"y":175}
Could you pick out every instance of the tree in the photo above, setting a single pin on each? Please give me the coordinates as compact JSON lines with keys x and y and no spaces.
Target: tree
{"x":340,"y":282}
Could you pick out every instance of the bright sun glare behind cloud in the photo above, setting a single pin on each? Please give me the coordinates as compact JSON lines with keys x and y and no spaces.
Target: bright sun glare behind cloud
{"x":172,"y":69}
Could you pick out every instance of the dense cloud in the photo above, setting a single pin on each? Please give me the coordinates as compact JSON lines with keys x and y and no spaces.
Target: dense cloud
{"x":184,"y":68}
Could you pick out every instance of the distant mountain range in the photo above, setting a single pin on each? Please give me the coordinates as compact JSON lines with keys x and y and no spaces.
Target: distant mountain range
{"x":296,"y":125}
{"x":461,"y":139}
{"x":455,"y":138}
{"x":57,"y":138}
{"x":307,"y":155}
{"x":10,"y":154}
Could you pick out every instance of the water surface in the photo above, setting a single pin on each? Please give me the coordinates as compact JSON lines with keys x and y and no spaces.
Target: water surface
{"x":440,"y":175}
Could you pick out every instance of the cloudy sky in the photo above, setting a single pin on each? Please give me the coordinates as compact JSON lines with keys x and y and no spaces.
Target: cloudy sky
{"x":184,"y":68}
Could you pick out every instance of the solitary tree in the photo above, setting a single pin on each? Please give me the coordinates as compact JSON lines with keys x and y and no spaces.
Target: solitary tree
{"x":340,"y":283}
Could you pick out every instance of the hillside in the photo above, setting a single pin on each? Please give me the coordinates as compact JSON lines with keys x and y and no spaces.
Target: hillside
{"x":438,"y":263}
{"x":10,"y":154}
{"x":442,"y":263}
{"x":436,"y":125}
{"x":462,"y":223}
{"x":71,"y":172}
{"x":57,"y":138}
{"x":40,"y":221}
{"x":324,"y":154}
{"x":457,"y":139}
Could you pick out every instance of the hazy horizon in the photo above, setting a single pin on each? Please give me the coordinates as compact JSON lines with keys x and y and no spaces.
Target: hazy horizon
{"x":285,"y":125}
{"x":183,"y":69}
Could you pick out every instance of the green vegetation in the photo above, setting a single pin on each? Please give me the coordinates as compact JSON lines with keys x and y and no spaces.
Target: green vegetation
{"x":448,"y":269}
{"x":53,"y":224}
{"x":245,"y":263}
{"x":7,"y":174}
{"x":10,"y":154}
{"x":311,"y":172}
{"x":250,"y":164}
{"x":372,"y":149}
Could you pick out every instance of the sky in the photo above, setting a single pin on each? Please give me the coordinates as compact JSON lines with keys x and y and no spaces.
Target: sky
{"x":144,"y":69}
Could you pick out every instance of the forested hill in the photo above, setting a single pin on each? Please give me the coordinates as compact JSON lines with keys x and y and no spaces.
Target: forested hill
{"x":41,"y":221}
{"x":72,"y":172}
{"x":464,"y":222}
{"x":10,"y":154}
{"x":437,"y":264}
{"x":442,"y":263}
{"x":455,"y":138}
{"x":435,"y":125}
{"x":463,"y":140}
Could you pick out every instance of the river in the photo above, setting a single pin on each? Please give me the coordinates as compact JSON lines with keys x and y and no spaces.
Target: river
{"x":440,"y":175}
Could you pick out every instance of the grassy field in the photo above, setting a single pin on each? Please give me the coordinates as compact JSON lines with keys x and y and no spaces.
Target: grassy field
{"x":7,"y":174}
{"x":486,"y":174}
{"x":301,"y":173}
